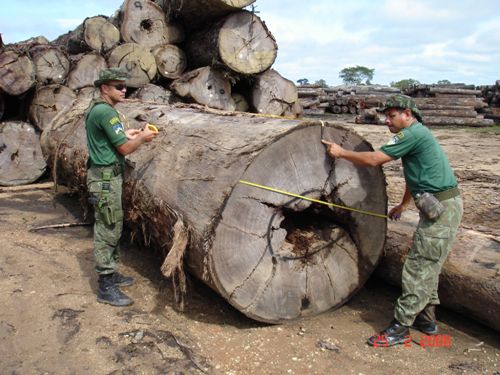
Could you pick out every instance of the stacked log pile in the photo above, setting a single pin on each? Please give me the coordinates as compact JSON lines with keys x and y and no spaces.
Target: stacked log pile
{"x":213,"y":53}
{"x":452,"y":104}
{"x":491,"y":95}
{"x":360,"y":100}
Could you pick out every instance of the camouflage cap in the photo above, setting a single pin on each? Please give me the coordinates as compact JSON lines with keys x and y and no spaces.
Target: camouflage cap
{"x":111,"y":74}
{"x":402,"y":102}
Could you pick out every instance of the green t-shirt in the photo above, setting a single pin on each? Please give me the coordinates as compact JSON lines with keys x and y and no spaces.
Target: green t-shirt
{"x":426,"y":167}
{"x":104,"y":133}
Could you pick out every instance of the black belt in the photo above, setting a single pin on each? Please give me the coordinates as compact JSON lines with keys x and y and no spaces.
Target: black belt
{"x":447,"y":194}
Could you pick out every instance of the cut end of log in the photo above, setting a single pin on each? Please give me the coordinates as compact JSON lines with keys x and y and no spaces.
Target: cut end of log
{"x":245,"y":44}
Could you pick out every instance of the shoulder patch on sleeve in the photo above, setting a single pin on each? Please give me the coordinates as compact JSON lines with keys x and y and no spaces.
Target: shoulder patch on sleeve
{"x":396,"y":138}
{"x":114,"y":120}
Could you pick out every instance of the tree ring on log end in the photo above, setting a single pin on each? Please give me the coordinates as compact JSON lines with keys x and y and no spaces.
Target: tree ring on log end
{"x":278,"y":258}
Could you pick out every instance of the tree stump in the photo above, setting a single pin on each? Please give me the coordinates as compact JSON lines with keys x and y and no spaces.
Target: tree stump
{"x":85,"y":70}
{"x":21,"y":158}
{"x":273,"y":257}
{"x":206,"y":86}
{"x":17,"y":72}
{"x":273,"y":94}
{"x":48,"y":102}
{"x":137,"y":60}
{"x":143,"y":22}
{"x":241,"y":41}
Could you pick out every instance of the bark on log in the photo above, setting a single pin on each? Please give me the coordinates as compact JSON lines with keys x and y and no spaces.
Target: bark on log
{"x":143,"y":22}
{"x":137,"y":60}
{"x":51,"y":64}
{"x":462,"y":121}
{"x":48,"y":102}
{"x":275,"y":95}
{"x":241,"y":41}
{"x":207,"y":86}
{"x":85,"y":70}
{"x":454,"y":91}
{"x":17,"y":72}
{"x":21,"y":158}
{"x":197,"y":14}
{"x":469,"y":282}
{"x":273,"y":257}
{"x":170,"y":60}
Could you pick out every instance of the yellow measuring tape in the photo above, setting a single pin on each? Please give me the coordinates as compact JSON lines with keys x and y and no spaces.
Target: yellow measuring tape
{"x":312,"y":199}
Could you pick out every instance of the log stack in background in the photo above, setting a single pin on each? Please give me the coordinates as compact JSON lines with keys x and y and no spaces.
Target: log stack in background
{"x":360,"y":100}
{"x":451,"y":104}
{"x":491,"y":95}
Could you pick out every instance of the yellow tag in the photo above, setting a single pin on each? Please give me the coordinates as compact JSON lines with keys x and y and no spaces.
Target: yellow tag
{"x":153,"y":128}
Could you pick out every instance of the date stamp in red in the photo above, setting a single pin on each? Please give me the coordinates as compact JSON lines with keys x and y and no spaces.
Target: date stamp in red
{"x":425,"y":341}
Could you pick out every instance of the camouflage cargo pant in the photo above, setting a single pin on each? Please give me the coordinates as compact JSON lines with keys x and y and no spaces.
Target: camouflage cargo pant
{"x":105,"y":194}
{"x":431,"y":244}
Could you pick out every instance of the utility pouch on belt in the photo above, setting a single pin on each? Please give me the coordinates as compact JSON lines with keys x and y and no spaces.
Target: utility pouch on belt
{"x":106,"y":212}
{"x":429,"y":206}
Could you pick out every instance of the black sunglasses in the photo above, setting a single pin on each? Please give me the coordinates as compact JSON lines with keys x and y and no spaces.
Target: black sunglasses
{"x":119,"y":86}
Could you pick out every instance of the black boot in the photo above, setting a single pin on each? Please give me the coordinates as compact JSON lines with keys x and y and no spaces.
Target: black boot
{"x":426,"y":321}
{"x":109,"y":293}
{"x":395,"y":334}
{"x":122,"y":280}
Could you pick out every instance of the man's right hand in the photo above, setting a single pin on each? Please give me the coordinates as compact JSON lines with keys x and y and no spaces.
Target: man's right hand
{"x":396,"y":211}
{"x":147,"y":134}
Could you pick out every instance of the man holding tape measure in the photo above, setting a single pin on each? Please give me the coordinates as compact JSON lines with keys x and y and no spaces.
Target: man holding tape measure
{"x":108,"y":143}
{"x":431,"y":183}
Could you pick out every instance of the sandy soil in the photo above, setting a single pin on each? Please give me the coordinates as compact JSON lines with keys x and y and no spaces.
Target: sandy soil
{"x":50,"y":322}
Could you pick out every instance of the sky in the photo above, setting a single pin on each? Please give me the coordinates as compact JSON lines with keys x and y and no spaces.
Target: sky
{"x":425,"y":40}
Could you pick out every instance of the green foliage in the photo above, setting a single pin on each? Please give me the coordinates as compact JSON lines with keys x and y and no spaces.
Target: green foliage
{"x":321,"y":82}
{"x":357,"y":75}
{"x":303,"y":81}
{"x":443,"y":82}
{"x":405,"y":83}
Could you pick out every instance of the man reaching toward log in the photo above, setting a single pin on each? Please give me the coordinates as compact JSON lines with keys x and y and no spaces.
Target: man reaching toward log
{"x":431,"y":183}
{"x":108,"y":143}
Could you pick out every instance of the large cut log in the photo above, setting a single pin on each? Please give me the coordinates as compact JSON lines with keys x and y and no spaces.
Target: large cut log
{"x":273,"y":94}
{"x":454,"y":91}
{"x":272,"y":256}
{"x":17,"y":72}
{"x":51,"y":64}
{"x":170,"y":60}
{"x":196,"y":14}
{"x":469,"y":282}
{"x":94,"y":34}
{"x":207,"y":86}
{"x":241,"y":41}
{"x":137,"y":60}
{"x":85,"y":70}
{"x":143,"y":22}
{"x":47,"y":102}
{"x":21,"y":158}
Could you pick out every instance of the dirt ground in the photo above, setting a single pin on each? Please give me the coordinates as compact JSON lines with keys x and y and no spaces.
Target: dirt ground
{"x":50,"y":322}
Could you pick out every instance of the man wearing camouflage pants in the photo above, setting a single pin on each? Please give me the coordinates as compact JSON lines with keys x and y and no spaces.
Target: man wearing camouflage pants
{"x":426,"y":170}
{"x":108,"y":143}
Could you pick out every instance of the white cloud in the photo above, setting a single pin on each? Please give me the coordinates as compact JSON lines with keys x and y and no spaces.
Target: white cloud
{"x":69,"y":23}
{"x":412,"y":10}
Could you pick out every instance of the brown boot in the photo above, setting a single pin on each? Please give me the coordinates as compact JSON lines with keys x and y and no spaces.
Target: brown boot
{"x":426,"y":321}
